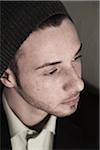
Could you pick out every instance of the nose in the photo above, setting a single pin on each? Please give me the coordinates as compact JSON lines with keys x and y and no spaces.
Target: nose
{"x":73,"y":82}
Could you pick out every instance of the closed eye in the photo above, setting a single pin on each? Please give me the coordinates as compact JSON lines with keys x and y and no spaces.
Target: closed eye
{"x":50,"y":72}
{"x":77,"y":57}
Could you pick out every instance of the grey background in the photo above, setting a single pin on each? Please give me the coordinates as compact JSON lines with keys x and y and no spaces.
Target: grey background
{"x":86,"y":17}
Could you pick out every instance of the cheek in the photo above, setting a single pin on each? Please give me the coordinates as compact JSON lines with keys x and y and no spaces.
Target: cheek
{"x":48,"y":89}
{"x":42,"y":89}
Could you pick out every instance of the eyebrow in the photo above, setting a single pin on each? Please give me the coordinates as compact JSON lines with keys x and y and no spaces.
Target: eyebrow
{"x":56,"y":62}
{"x":48,"y":64}
{"x":79,"y":50}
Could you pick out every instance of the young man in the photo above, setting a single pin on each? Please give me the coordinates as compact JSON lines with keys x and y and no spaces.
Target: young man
{"x":41,"y":74}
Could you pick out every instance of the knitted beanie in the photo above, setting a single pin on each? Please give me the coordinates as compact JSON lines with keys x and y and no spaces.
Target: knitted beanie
{"x":18,"y":20}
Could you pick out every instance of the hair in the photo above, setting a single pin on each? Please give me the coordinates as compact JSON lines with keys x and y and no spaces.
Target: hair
{"x":55,"y":20}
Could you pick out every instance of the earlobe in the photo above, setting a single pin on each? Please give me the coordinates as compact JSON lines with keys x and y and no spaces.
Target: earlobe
{"x":8,"y":79}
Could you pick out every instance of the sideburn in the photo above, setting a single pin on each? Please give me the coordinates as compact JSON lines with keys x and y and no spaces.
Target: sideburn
{"x":14,"y":68}
{"x":17,"y":80}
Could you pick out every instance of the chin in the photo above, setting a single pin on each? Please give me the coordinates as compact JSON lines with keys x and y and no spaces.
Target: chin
{"x":66,"y":112}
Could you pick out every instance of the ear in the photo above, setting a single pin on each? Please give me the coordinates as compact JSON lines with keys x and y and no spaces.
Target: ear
{"x":8,"y":79}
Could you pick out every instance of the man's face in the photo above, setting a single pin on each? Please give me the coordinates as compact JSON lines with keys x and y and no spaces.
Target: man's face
{"x":50,"y":70}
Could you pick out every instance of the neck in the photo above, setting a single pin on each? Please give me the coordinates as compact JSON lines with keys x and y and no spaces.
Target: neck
{"x":27,"y":113}
{"x":38,"y":127}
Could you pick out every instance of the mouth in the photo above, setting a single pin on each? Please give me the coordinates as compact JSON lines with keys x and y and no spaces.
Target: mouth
{"x":72,"y":100}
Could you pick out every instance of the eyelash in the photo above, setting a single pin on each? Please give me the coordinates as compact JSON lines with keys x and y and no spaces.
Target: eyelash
{"x":51,"y":72}
{"x":77,"y":57}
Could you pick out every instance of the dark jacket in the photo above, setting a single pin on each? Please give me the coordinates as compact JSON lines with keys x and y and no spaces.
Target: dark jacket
{"x":78,"y":131}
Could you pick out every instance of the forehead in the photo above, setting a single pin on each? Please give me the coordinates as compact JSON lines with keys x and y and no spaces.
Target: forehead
{"x":51,"y":42}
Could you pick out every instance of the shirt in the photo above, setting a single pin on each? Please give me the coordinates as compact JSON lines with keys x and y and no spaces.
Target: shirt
{"x":18,"y":132}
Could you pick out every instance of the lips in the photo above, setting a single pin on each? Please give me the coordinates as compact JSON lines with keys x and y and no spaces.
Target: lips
{"x":71,"y":100}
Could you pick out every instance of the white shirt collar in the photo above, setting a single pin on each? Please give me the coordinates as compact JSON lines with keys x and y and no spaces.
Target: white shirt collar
{"x":16,"y":126}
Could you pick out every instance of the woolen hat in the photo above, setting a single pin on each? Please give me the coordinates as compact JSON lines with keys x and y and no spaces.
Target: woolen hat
{"x":18,"y":20}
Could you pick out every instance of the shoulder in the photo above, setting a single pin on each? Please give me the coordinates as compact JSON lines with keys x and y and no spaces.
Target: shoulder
{"x":80,"y":130}
{"x":68,"y":134}
{"x":89,"y":118}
